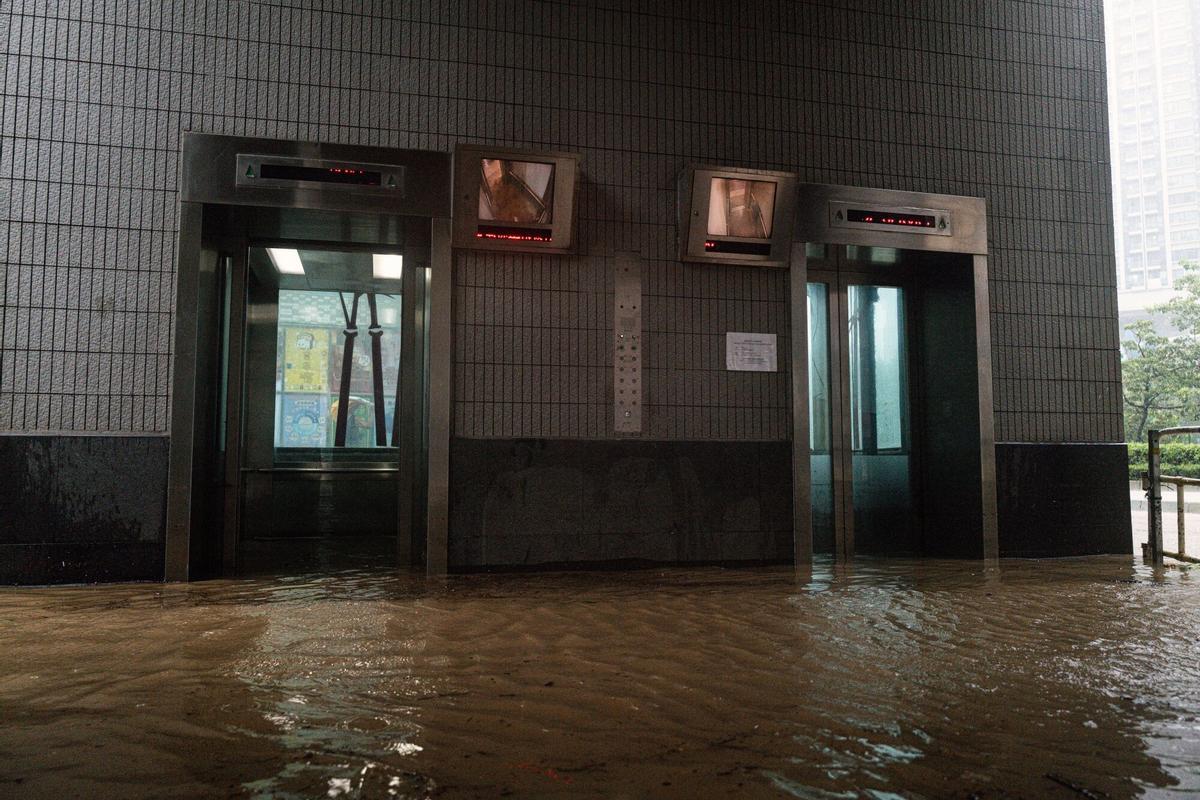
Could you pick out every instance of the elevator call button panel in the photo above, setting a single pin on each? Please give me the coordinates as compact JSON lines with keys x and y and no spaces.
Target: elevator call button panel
{"x":627,"y":341}
{"x":932,"y":221}
{"x":302,"y":173}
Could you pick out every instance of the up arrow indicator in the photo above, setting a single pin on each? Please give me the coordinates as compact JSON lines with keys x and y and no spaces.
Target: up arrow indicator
{"x":250,"y":171}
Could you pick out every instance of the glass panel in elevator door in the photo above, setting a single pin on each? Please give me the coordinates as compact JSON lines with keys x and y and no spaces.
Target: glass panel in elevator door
{"x":311,"y":354}
{"x":879,"y":418}
{"x":819,"y":410}
{"x":337,"y":353}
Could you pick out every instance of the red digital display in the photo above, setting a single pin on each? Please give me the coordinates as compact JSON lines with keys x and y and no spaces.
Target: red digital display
{"x":512,"y":234}
{"x":295,"y":172}
{"x":891,"y":218}
{"x":737,"y":248}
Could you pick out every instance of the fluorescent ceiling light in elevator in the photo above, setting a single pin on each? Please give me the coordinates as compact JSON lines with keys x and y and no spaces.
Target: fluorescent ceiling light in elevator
{"x":286,"y":260}
{"x":335,"y":270}
{"x":387,"y":266}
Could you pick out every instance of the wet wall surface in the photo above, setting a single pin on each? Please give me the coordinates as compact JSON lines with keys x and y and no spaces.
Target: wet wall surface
{"x":551,"y":501}
{"x":1067,"y":679}
{"x":82,"y":508}
{"x":1062,"y":499}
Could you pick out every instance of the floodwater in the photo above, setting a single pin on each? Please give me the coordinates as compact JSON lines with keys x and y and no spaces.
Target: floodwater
{"x":882,"y":679}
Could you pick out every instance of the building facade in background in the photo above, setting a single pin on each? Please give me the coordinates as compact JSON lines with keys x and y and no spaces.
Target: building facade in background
{"x":1154,"y":123}
{"x":992,"y":99}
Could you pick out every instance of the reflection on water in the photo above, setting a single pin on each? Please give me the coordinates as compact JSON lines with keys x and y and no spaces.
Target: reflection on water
{"x":885,"y":679}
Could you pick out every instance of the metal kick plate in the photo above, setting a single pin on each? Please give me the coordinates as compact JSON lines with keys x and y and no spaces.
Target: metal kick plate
{"x":627,"y":343}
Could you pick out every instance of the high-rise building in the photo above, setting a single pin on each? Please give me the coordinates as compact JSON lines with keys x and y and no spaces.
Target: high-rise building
{"x":1154,"y":123}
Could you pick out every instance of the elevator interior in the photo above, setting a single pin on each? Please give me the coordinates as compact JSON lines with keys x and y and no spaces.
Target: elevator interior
{"x":300,"y":424}
{"x":896,"y":387}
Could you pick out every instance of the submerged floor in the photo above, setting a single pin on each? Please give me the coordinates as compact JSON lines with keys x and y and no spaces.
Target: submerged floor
{"x":1075,"y":678}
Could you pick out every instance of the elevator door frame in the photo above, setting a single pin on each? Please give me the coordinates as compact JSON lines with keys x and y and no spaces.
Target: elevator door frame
{"x":816,"y":204}
{"x":211,"y":192}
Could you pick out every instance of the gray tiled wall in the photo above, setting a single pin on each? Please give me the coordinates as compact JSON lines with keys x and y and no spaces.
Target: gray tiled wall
{"x":996,"y":98}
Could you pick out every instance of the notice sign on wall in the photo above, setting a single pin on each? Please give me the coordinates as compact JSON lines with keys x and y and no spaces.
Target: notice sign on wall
{"x":751,"y":352}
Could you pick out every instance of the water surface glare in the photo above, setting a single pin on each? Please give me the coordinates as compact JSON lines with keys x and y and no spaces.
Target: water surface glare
{"x":882,"y":679}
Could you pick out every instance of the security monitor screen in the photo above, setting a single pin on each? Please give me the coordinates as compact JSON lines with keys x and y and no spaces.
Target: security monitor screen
{"x":516,"y":191}
{"x":741,"y":208}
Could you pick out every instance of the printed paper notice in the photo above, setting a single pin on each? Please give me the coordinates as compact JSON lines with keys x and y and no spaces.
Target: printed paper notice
{"x":306,"y":359}
{"x":750,"y":352}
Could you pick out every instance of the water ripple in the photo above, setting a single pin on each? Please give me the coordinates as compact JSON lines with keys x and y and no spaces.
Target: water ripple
{"x":882,"y":679}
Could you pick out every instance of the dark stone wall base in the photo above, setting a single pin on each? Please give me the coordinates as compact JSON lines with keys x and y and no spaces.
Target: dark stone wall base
{"x":558,"y":502}
{"x":82,"y":509}
{"x":1063,"y":499}
{"x":94,"y":562}
{"x":79,"y":509}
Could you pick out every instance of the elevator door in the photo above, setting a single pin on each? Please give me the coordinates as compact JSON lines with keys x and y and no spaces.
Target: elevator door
{"x":330,"y":387}
{"x":860,"y":409}
{"x":877,"y":416}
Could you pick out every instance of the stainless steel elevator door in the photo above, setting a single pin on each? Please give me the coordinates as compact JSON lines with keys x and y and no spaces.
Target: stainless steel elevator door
{"x":327,"y":367}
{"x":860,"y":407}
{"x":821,"y":404}
{"x":878,"y":416}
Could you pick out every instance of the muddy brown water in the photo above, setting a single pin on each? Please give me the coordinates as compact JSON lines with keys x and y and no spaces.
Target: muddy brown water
{"x":884,"y":679}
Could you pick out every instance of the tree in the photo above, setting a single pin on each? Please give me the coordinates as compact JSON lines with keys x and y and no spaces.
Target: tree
{"x":1161,"y":374}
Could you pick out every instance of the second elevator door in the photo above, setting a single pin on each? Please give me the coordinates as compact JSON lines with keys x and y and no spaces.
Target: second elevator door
{"x":860,"y":413}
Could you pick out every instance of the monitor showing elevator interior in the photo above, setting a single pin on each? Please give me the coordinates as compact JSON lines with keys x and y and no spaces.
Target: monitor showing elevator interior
{"x":516,"y":191}
{"x":741,"y":208}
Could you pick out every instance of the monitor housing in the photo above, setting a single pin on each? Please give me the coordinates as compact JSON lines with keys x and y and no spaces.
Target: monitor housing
{"x":736,"y":216}
{"x":519,"y":200}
